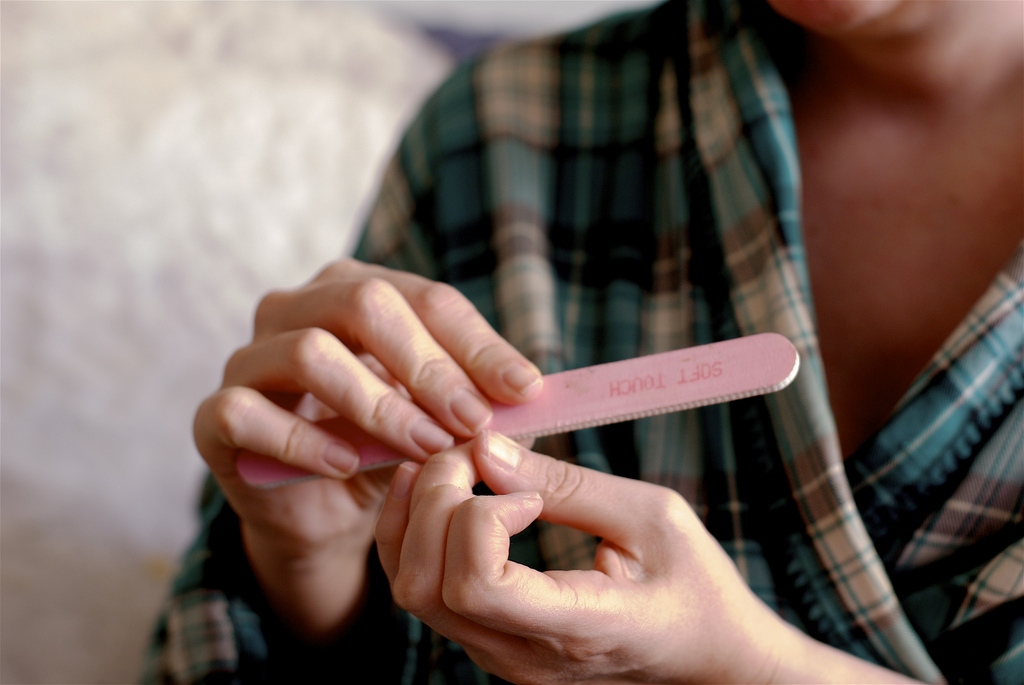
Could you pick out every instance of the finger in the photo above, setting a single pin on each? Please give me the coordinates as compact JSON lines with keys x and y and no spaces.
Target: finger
{"x":448,"y":318}
{"x":443,"y":483}
{"x":376,"y":318}
{"x":480,"y":583}
{"x":483,"y":586}
{"x":480,"y":532}
{"x":407,"y":489}
{"x":631,"y":513}
{"x":411,"y":533}
{"x":314,"y":361}
{"x":492,"y":362}
{"x":241,"y":419}
{"x":394,"y":518}
{"x":453,"y":467}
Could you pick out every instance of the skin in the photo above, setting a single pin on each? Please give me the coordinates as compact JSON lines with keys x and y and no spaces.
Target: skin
{"x":663,"y":602}
{"x":312,"y":366}
{"x":924,"y":97}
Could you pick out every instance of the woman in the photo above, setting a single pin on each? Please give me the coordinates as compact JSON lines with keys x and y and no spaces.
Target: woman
{"x":630,"y":188}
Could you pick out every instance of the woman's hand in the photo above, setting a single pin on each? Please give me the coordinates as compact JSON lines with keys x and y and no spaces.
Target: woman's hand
{"x":663,"y":602}
{"x":407,"y":360}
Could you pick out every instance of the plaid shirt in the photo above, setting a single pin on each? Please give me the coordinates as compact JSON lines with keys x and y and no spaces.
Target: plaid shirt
{"x":630,"y":188}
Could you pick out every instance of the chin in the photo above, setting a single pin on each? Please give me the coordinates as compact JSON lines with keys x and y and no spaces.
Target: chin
{"x":834,"y":16}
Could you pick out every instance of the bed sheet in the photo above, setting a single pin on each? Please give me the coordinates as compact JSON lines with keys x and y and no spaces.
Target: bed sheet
{"x":163,"y":165}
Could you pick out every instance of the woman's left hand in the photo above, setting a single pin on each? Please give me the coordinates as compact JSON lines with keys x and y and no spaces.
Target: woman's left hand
{"x":663,"y":602}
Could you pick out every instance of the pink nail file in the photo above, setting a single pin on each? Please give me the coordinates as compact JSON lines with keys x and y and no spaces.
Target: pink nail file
{"x":603,"y":394}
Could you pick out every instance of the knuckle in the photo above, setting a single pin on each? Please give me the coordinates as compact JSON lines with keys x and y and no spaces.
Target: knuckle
{"x":443,"y":497}
{"x":439,"y":299}
{"x":371,"y":296}
{"x":430,"y":372}
{"x":672,"y":513}
{"x":483,"y":349}
{"x":584,"y":657}
{"x":269,"y":308}
{"x":465,"y":597}
{"x":563,"y":481}
{"x":455,"y":466}
{"x":384,"y":410}
{"x":581,"y":649}
{"x":312,"y":350}
{"x":413,"y":591}
{"x":228,"y":409}
{"x":338,"y":269}
{"x":580,"y":652}
{"x":235,"y":362}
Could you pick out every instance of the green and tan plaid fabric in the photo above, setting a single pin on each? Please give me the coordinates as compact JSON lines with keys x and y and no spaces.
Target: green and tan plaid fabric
{"x":630,"y":188}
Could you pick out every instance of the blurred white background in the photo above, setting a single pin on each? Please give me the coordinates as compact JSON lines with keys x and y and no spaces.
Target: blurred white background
{"x":163,"y":165}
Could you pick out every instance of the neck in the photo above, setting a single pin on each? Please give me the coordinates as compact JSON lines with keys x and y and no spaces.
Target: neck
{"x":930,"y":52}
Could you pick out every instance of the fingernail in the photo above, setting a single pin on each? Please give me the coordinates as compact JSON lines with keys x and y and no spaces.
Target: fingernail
{"x":505,"y":451}
{"x":430,"y":436}
{"x":401,"y":483}
{"x":470,"y":410}
{"x":522,"y":378}
{"x":341,"y":458}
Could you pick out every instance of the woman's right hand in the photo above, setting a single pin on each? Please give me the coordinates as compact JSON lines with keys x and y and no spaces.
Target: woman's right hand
{"x":408,"y":360}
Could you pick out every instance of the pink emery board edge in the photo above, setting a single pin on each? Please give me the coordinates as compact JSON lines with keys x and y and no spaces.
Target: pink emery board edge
{"x":599,"y":395}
